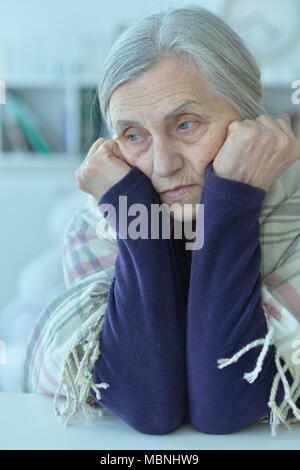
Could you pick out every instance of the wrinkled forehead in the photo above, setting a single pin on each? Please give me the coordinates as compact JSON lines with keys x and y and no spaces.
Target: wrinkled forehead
{"x":127,"y":112}
{"x":157,"y":91}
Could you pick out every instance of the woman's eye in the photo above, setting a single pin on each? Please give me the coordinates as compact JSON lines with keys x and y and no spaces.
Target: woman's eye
{"x":128,"y":136}
{"x":131,"y":137}
{"x":186,"y":122}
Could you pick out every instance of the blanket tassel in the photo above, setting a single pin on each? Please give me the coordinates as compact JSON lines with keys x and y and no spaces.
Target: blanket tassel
{"x":279,"y":414}
{"x":251,"y":376}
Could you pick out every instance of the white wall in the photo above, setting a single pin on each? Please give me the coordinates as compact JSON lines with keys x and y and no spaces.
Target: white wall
{"x":36,"y":31}
{"x":26,"y":198}
{"x":38,"y":36}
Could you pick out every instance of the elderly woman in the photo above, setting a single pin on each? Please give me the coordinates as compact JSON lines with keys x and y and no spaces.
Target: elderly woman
{"x":181,"y":95}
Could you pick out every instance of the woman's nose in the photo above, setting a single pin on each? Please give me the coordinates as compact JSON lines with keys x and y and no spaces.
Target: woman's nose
{"x":166,"y":156}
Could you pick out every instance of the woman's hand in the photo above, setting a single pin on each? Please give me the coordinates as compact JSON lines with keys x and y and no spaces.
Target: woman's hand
{"x":103,"y":166}
{"x":257,"y":152}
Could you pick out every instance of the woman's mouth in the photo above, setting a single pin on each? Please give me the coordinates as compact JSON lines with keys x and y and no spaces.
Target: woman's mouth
{"x":178,"y":193}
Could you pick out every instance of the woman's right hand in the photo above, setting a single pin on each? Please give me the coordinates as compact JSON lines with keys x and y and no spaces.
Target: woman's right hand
{"x":103,"y":166}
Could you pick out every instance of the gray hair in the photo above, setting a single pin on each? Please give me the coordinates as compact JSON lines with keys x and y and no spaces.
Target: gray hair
{"x":204,"y":41}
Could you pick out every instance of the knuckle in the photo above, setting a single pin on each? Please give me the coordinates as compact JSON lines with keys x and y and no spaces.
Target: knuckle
{"x":106,"y":145}
{"x":101,"y":143}
{"x":263,"y":118}
{"x":282,"y":144}
{"x":284,"y":141}
{"x":251,"y":132}
{"x":95,"y":146}
{"x":234,"y":125}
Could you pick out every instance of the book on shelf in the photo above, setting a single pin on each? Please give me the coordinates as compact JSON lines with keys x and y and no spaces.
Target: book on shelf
{"x":14,"y":139}
{"x":37,"y":138}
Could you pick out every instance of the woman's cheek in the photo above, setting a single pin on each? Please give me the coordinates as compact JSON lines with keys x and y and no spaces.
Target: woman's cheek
{"x":136,"y":161}
{"x":213,"y":144}
{"x":202,"y":155}
{"x":144,"y":164}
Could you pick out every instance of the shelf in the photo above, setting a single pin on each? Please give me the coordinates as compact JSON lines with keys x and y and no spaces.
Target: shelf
{"x":81,"y":81}
{"x":11,"y":160}
{"x":68,"y":118}
{"x":65,"y":114}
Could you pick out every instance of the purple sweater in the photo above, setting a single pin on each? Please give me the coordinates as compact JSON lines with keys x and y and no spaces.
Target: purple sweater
{"x":171,"y":316}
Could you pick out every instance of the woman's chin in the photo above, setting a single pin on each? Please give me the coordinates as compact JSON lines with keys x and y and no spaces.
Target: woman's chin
{"x":186,"y":209}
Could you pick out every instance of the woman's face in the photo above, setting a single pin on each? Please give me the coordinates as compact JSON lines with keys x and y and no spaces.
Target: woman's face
{"x":172,"y":146}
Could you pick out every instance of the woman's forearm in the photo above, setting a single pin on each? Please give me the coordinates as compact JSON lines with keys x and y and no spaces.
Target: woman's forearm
{"x":224,"y":311}
{"x":143,"y":339}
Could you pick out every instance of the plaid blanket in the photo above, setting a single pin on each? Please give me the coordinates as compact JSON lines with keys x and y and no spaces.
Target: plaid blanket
{"x":66,"y":340}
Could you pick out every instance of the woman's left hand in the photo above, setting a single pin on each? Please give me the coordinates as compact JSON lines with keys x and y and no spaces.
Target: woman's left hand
{"x":257,"y":152}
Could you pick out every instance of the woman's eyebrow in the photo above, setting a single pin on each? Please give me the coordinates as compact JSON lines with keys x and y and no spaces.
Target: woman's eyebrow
{"x":124,"y":122}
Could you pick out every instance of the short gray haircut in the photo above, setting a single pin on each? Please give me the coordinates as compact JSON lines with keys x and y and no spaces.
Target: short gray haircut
{"x":204,"y":42}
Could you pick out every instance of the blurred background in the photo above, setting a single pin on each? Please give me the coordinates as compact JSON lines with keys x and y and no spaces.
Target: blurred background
{"x":51,"y":54}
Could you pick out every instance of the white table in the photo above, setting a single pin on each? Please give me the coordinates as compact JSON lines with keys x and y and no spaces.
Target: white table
{"x":28,"y":422}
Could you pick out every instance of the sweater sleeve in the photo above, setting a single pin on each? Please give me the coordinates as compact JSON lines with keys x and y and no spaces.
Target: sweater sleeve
{"x":143,"y":338}
{"x":224,"y":311}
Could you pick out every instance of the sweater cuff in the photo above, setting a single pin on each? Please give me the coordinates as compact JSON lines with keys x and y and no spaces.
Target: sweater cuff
{"x":227,"y":188}
{"x":124,"y":186}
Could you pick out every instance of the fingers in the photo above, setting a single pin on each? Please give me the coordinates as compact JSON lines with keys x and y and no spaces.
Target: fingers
{"x":287,"y":119}
{"x":283,"y":123}
{"x":95,"y":146}
{"x":117,"y":151}
{"x":92,"y":150}
{"x":268,"y":122}
{"x":113,"y":147}
{"x":110,"y":148}
{"x":108,"y":145}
